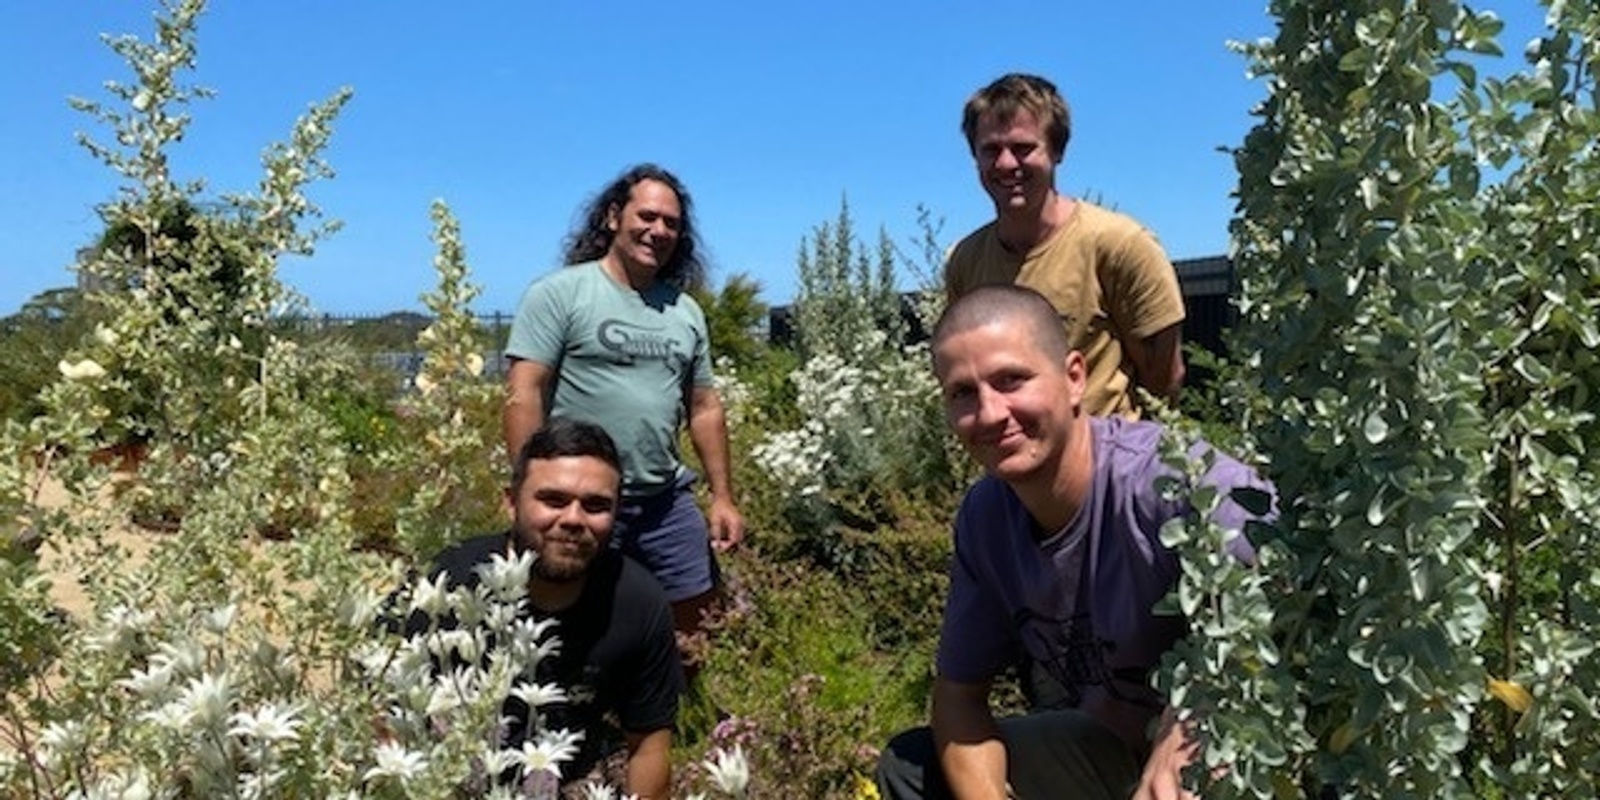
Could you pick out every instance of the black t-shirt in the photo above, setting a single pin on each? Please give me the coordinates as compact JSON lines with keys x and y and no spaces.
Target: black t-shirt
{"x":618,"y":660}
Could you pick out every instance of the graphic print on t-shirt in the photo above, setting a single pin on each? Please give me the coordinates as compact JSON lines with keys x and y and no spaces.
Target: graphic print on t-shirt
{"x":629,"y":341}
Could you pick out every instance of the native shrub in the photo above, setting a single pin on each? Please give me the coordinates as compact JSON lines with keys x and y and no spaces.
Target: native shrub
{"x":1415,"y":246}
{"x":212,"y":661}
{"x":868,"y":448}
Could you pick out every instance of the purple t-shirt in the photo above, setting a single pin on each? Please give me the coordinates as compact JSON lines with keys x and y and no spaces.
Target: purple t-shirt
{"x":1094,"y":630}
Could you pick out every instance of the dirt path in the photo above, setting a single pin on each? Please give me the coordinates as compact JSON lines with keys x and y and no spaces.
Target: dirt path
{"x":67,"y":590}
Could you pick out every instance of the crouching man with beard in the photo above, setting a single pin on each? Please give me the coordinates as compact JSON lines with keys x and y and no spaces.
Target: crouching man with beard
{"x":618,"y":660}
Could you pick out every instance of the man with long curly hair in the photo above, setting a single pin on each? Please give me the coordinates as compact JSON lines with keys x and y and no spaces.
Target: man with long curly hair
{"x":615,"y":339}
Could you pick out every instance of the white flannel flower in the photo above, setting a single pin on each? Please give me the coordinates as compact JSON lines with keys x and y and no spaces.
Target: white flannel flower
{"x":148,"y":682}
{"x":58,"y":738}
{"x":452,"y":692}
{"x":447,"y":643}
{"x":552,"y":749}
{"x":501,"y":617}
{"x":527,"y":633}
{"x":272,"y":660}
{"x":395,"y":761}
{"x":220,"y":619}
{"x":498,"y":761}
{"x":120,"y":787}
{"x":360,"y":608}
{"x":598,"y":791}
{"x":729,"y":770}
{"x":474,"y":364}
{"x":184,"y":658}
{"x":506,"y":579}
{"x":86,"y":370}
{"x":430,"y":596}
{"x":105,"y":335}
{"x":260,"y":785}
{"x":119,"y":628}
{"x":207,"y":699}
{"x":173,"y":716}
{"x":538,"y":695}
{"x":269,"y":723}
{"x":412,"y":664}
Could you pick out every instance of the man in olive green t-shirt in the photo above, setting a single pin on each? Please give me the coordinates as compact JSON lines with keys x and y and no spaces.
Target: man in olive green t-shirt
{"x":1117,"y":293}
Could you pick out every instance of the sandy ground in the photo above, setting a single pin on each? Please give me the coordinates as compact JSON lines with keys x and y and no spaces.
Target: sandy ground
{"x":67,"y":590}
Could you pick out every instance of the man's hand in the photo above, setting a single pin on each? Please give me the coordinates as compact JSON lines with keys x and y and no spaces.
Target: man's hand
{"x":1163,"y":771}
{"x":1158,"y":361}
{"x":708,"y":432}
{"x":726,"y":525}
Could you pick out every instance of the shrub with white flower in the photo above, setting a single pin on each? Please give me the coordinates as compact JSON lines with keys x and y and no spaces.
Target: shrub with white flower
{"x":729,"y":771}
{"x":216,"y":662}
{"x":870,"y":425}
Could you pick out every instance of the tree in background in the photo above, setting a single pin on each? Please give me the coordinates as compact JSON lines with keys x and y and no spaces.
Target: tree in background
{"x":735,"y":316}
{"x":32,"y":342}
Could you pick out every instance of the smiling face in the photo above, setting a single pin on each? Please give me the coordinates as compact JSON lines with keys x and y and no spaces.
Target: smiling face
{"x":645,"y":230}
{"x":562,"y":513}
{"x":1011,"y":404}
{"x":1015,"y":162}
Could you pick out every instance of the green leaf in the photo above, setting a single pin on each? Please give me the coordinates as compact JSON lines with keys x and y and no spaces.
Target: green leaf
{"x":1531,"y":369}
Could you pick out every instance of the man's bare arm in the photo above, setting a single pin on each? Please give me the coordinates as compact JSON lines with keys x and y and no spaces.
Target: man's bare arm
{"x":708,"y":432}
{"x":649,"y":767}
{"x":968,"y":742}
{"x":1158,"y":361}
{"x":527,"y":393}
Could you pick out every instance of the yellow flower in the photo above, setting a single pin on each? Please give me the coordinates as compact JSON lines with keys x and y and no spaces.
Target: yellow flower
{"x":866,"y":789}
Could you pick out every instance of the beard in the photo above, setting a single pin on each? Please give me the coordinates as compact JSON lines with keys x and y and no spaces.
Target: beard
{"x":560,"y":571}
{"x":560,"y":557}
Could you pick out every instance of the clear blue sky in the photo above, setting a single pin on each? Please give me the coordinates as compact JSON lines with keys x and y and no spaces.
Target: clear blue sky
{"x":516,"y":113}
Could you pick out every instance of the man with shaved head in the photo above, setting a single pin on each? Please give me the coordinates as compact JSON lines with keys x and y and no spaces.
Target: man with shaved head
{"x":1058,"y":568}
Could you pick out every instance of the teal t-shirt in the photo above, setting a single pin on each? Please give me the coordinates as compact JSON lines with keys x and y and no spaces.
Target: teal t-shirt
{"x":624,"y":360}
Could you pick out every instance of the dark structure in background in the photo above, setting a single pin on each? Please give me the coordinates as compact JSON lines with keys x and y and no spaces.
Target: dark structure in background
{"x":1206,"y":283}
{"x":1207,"y":286}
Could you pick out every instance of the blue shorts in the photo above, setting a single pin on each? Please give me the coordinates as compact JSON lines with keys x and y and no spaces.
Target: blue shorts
{"x":668,"y":535}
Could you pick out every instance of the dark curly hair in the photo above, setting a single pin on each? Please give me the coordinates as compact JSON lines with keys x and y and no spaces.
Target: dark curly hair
{"x":592,"y":239}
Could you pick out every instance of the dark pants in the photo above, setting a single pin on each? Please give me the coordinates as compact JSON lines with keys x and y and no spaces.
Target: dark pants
{"x":1049,"y":754}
